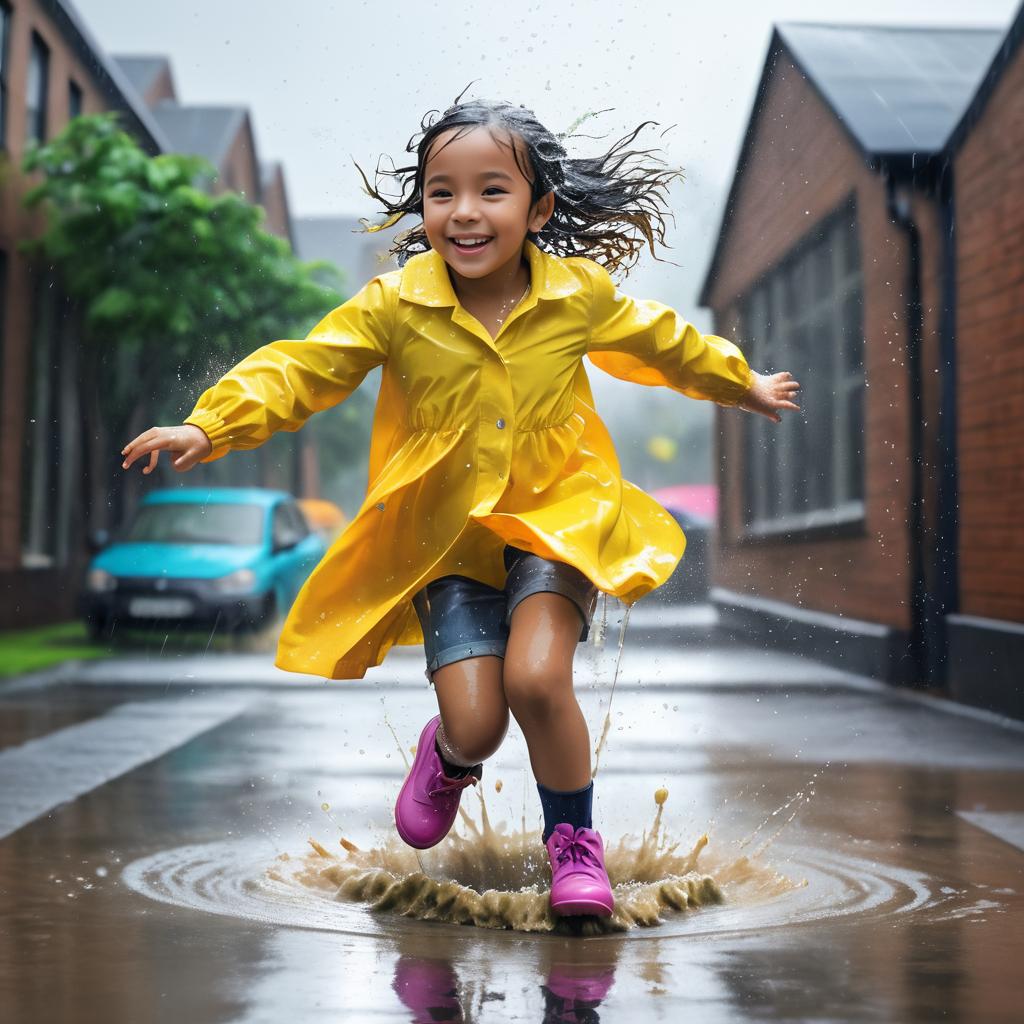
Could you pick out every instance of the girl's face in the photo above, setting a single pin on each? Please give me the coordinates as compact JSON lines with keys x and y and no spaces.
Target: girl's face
{"x":476,"y":202}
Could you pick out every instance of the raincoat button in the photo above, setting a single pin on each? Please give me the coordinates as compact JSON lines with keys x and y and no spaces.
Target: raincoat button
{"x":380,"y":505}
{"x":500,"y":424}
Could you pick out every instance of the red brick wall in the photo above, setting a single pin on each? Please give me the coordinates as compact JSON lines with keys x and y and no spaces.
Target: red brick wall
{"x":161,"y":88}
{"x":239,"y":171}
{"x":989,"y":186}
{"x":15,"y":224}
{"x":801,"y":166}
{"x":275,"y":203}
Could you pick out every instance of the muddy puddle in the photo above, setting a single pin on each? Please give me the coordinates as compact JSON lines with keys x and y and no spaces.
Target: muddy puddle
{"x":495,"y":877}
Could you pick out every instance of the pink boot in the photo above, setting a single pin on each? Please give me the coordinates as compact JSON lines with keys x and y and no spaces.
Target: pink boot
{"x":581,"y":983}
{"x":429,"y":988}
{"x":429,"y":800}
{"x":579,"y":882}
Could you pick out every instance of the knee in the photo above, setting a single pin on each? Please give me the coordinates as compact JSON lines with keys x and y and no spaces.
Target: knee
{"x":536,"y":689}
{"x":476,"y":739}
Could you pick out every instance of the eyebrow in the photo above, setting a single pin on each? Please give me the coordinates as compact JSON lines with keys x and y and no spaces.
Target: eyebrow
{"x":486,"y":174}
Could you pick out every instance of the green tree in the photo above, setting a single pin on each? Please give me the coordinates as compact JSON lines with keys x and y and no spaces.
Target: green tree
{"x":172,"y":285}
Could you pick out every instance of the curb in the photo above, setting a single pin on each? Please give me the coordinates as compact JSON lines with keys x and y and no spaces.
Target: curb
{"x":64,"y":672}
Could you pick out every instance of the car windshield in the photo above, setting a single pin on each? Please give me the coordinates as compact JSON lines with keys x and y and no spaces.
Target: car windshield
{"x":212,"y":523}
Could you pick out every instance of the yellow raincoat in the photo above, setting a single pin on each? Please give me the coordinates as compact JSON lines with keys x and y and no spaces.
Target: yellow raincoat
{"x":477,"y":442}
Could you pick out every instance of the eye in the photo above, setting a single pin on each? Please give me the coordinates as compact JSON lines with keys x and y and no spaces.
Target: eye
{"x":493,"y":188}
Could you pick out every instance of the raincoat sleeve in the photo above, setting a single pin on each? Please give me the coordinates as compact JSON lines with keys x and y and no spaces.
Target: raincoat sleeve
{"x":279,"y":386}
{"x":645,"y":342}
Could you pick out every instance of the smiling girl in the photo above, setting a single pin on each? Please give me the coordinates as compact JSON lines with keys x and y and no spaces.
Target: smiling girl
{"x":496,"y":509}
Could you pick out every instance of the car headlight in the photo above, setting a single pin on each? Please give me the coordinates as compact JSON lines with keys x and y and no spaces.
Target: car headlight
{"x":100,"y":581}
{"x":240,"y":581}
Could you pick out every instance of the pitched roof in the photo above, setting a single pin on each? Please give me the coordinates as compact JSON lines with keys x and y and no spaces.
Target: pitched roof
{"x":205,"y":131}
{"x":115,"y":86}
{"x":1003,"y":57}
{"x":896,"y":89}
{"x":142,"y":72}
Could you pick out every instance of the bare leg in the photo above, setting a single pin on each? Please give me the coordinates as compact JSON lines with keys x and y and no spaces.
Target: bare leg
{"x":474,"y":715}
{"x":543,"y":634}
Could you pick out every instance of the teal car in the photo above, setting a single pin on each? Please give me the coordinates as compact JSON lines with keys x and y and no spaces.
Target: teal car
{"x":233,"y":558}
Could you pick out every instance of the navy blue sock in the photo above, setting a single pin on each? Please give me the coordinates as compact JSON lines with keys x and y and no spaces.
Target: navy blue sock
{"x":573,"y":807}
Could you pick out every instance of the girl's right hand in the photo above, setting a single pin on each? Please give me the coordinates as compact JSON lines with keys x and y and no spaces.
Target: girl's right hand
{"x":187,"y":439}
{"x":770,"y":392}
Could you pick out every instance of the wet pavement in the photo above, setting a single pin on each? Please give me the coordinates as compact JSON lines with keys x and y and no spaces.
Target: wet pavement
{"x":867,"y":848}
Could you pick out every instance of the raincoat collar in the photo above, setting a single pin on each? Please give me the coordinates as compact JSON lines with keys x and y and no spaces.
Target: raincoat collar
{"x":425,"y":278}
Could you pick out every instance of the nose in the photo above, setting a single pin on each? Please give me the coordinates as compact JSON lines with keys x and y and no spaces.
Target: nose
{"x":465,"y":209}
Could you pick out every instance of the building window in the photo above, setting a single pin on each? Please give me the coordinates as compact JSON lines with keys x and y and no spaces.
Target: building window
{"x":36,"y":89}
{"x":74,"y":99}
{"x":3,"y":326}
{"x":5,"y":59}
{"x":806,"y":316}
{"x":42,"y":453}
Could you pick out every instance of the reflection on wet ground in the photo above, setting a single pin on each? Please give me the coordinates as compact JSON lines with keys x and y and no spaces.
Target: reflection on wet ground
{"x":859,"y":862}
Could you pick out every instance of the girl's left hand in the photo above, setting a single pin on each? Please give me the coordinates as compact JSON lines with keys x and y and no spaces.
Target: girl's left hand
{"x":769,"y":393}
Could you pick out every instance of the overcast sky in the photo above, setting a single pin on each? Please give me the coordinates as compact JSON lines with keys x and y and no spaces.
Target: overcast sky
{"x":330,"y":81}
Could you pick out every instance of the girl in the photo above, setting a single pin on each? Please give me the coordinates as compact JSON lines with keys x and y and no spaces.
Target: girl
{"x":496,"y":509}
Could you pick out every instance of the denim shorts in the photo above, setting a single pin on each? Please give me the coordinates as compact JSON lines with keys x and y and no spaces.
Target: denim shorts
{"x":464,"y":618}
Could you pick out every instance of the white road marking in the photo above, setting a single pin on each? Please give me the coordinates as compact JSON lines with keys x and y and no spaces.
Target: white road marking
{"x":1005,"y":825}
{"x":48,"y":771}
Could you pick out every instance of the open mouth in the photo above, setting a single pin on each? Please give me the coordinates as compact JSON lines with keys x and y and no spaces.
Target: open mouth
{"x":471,"y":244}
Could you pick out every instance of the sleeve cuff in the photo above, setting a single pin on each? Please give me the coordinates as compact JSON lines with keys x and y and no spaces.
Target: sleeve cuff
{"x":736,"y":393}
{"x":213,"y":427}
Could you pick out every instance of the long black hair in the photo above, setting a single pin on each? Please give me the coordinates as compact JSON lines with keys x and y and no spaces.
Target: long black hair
{"x":606,"y":207}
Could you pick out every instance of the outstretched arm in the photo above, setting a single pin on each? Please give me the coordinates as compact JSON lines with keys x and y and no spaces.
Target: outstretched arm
{"x":279,"y":386}
{"x":646,"y":342}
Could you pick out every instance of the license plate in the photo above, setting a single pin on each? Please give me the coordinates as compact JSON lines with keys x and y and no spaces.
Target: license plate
{"x":170,"y":607}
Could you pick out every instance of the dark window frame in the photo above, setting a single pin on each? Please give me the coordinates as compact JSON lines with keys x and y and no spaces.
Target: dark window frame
{"x":42,"y":451}
{"x":3,"y":318}
{"x":38,"y":50}
{"x":76,"y":99}
{"x":806,"y":476}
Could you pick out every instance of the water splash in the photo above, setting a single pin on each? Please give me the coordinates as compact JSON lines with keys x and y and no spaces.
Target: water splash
{"x":491,"y":877}
{"x":615,"y":678}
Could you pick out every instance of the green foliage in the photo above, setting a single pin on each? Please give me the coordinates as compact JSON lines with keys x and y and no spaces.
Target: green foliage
{"x":162,"y":269}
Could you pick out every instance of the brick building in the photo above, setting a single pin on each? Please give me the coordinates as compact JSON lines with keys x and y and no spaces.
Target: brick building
{"x":51,"y":69}
{"x":986,"y":629}
{"x":223,"y":135}
{"x":850,"y":530}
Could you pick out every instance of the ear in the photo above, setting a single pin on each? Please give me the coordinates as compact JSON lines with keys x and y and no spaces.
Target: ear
{"x":540,"y":212}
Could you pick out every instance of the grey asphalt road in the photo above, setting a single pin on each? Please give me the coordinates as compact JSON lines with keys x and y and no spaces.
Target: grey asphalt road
{"x":154,"y":810}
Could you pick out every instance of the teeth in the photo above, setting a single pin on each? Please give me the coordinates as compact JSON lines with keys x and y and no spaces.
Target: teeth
{"x":471,"y":245}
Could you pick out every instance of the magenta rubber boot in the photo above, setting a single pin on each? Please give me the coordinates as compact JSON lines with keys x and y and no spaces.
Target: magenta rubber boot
{"x":429,"y":800}
{"x":429,"y":988}
{"x":579,"y":881}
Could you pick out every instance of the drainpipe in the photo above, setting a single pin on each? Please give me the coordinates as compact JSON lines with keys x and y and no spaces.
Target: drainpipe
{"x":899,"y":207}
{"x":947,"y":569}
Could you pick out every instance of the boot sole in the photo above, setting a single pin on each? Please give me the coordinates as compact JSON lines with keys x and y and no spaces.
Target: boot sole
{"x":568,"y":908}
